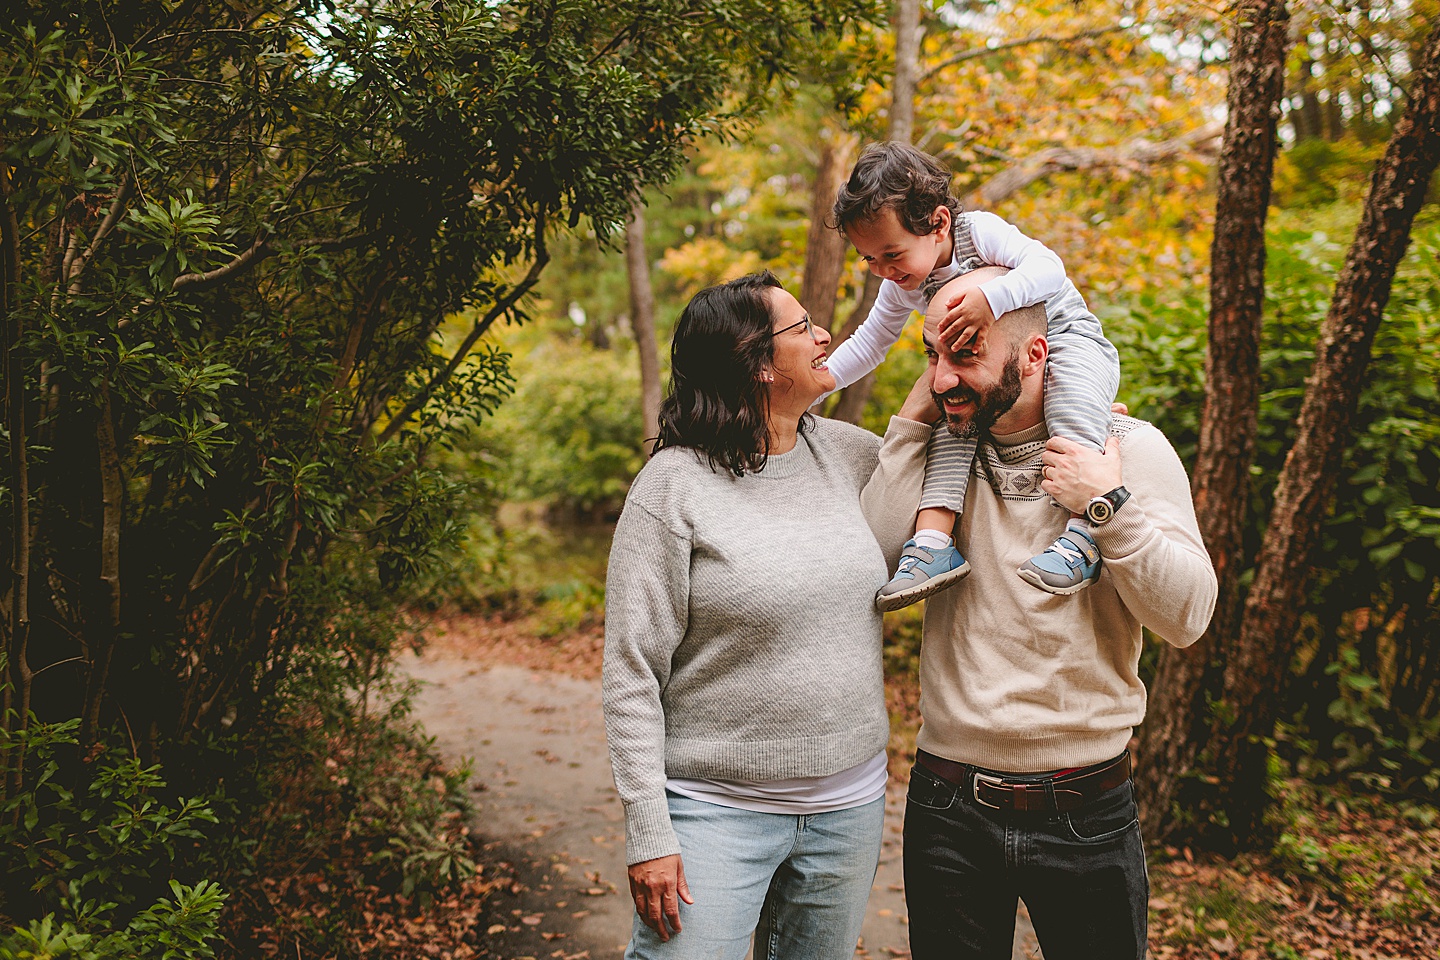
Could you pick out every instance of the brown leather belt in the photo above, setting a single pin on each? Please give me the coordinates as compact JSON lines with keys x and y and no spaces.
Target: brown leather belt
{"x":1026,"y":794}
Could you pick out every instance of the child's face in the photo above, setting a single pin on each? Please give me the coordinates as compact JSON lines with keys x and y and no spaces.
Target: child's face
{"x":894,"y":253}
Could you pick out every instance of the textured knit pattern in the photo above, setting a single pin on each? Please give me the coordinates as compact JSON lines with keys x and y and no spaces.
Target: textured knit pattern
{"x":1082,"y":377}
{"x":1017,"y":679}
{"x":741,"y":640}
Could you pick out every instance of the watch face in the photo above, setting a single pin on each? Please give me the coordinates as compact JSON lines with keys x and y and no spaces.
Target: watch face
{"x":1099,"y":510}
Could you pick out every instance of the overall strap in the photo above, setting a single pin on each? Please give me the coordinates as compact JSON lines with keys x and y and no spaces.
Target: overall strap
{"x":964,"y":242}
{"x":966,"y":256}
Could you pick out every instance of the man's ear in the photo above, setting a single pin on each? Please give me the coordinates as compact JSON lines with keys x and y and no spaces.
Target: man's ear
{"x":1037,"y":351}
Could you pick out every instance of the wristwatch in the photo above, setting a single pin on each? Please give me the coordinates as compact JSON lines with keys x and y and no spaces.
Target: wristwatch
{"x":1100,"y":509}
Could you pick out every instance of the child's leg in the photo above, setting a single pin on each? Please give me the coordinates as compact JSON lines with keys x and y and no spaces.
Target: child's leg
{"x":937,"y":521}
{"x":930,"y":561}
{"x":1081,"y":379}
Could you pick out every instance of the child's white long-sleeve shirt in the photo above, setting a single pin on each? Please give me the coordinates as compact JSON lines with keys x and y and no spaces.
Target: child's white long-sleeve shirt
{"x":1036,"y":274}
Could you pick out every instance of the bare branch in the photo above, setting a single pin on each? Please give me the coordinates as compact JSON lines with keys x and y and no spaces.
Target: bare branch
{"x":1354,"y":38}
{"x":259,"y":249}
{"x":72,"y":247}
{"x":117,"y":209}
{"x":104,"y":626}
{"x":1034,"y":38}
{"x":1134,"y":155}
{"x":501,"y":306}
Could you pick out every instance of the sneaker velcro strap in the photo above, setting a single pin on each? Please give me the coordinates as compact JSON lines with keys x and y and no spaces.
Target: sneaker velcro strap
{"x":1082,"y":545}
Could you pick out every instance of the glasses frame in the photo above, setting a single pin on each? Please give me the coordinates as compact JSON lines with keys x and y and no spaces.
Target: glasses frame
{"x":806,"y":323}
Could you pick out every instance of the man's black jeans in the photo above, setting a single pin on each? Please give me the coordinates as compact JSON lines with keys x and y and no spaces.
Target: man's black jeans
{"x":1082,"y":874}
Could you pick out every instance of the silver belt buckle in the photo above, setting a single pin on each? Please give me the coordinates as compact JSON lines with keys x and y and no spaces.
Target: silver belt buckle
{"x":980,"y":778}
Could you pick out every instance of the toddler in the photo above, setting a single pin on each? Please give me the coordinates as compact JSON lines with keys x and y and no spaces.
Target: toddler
{"x":898,"y":211}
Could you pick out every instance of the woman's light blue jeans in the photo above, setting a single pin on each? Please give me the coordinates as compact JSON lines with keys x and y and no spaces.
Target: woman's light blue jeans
{"x":799,"y":883}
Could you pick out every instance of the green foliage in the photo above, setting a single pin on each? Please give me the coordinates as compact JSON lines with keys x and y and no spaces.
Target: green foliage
{"x":1367,"y":699}
{"x":573,"y":424}
{"x":569,"y":605}
{"x":178,"y":929}
{"x":239,"y":230}
{"x":93,"y":854}
{"x":1316,"y":173}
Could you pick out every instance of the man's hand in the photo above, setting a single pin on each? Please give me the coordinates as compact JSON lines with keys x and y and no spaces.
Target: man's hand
{"x":657,"y":887}
{"x":1074,"y":474}
{"x":968,"y":320}
{"x":920,"y":405}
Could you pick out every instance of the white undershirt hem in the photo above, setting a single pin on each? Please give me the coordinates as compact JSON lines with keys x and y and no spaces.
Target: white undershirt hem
{"x":857,"y":786}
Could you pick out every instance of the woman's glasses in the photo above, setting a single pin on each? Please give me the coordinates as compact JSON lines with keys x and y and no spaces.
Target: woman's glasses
{"x":809,"y":328}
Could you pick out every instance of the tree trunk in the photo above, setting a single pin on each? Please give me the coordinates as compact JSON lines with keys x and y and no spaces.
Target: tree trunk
{"x":851,"y":404}
{"x":824,"y":245}
{"x":104,"y":628}
{"x":17,"y":599}
{"x":1305,"y":117}
{"x":1307,"y":480}
{"x":1178,"y":720}
{"x":642,"y":322}
{"x":907,"y":70}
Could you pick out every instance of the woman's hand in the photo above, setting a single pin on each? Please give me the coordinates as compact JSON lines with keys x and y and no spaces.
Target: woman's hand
{"x":920,"y":404}
{"x":657,"y":887}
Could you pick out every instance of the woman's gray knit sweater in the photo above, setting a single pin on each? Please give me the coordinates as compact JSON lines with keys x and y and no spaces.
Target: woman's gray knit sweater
{"x":741,"y":638}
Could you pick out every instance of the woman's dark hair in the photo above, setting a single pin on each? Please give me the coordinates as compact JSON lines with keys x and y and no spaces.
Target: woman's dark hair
{"x":895,"y":175}
{"x":718,"y":404}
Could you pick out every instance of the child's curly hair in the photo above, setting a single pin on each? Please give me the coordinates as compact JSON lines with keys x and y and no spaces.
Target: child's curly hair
{"x":895,"y":175}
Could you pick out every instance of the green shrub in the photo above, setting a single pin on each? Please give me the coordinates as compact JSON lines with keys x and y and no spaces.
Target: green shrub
{"x":573,"y":425}
{"x":92,"y":854}
{"x":178,"y":929}
{"x":1367,"y":694}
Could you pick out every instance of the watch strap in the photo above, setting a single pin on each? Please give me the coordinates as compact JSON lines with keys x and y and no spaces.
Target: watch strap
{"x":1118,"y":496}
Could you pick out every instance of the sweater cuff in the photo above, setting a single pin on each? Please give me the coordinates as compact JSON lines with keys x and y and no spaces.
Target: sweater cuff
{"x":914,"y":430}
{"x":648,"y":831}
{"x":1126,"y":532}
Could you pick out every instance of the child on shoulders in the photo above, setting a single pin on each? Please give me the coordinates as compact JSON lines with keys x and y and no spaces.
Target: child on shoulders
{"x":898,"y":211}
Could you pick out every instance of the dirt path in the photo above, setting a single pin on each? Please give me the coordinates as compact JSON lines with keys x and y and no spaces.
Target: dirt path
{"x":545,"y":802}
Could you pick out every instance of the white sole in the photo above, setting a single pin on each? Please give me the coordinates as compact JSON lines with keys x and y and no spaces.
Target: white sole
{"x":1033,"y":578}
{"x":898,"y":601}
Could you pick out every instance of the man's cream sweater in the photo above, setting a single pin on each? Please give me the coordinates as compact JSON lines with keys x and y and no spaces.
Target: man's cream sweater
{"x":1016,"y":679}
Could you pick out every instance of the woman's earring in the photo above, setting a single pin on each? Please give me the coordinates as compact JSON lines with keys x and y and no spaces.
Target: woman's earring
{"x":767,"y":377}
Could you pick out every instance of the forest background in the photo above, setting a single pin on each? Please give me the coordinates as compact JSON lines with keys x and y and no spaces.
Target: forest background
{"x":324,"y":317}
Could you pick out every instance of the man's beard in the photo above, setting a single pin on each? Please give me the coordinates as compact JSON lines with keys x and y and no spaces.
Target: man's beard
{"x":990,"y":405}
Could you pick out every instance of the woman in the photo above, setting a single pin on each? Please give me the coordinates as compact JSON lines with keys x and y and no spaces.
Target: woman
{"x":743,"y":695}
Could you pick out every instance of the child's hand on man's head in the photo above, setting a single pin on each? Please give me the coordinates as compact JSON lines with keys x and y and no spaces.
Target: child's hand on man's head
{"x":968,"y":319}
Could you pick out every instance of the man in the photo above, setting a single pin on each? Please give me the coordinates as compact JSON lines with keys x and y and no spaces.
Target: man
{"x":1021,"y":783}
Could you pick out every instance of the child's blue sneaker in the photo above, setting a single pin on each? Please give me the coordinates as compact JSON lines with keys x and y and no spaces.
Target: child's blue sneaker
{"x":922,"y":572}
{"x":1067,"y":566}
